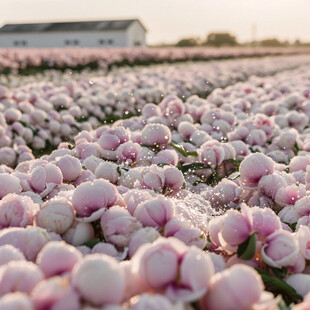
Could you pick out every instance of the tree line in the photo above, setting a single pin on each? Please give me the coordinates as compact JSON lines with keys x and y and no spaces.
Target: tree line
{"x":218,"y":39}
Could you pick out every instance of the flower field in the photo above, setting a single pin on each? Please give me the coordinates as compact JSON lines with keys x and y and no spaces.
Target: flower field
{"x":170,"y":186}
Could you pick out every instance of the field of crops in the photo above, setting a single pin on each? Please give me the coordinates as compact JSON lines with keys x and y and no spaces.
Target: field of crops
{"x":178,"y":186}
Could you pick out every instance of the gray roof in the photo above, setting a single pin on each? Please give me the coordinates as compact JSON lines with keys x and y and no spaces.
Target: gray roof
{"x":102,"y":25}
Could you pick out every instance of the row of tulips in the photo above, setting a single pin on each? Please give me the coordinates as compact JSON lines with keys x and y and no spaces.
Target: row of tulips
{"x":30,"y":60}
{"x":43,"y":114}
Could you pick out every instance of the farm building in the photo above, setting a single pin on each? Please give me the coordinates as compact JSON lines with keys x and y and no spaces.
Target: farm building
{"x":104,"y":33}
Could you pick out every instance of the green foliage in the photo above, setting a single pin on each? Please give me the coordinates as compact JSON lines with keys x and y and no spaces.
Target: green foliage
{"x":221,"y":39}
{"x":273,"y":42}
{"x":246,"y":250}
{"x":187,"y":42}
{"x":278,"y":286}
{"x":181,"y":150}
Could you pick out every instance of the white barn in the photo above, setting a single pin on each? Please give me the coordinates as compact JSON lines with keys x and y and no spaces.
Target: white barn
{"x":104,"y":33}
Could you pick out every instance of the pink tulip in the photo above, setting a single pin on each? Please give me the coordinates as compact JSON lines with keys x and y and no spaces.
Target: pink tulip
{"x":174,"y":178}
{"x":227,"y":193}
{"x":156,"y":212}
{"x":280,"y":249}
{"x":142,"y":236}
{"x":302,"y":206}
{"x":17,"y":211}
{"x":128,"y":152}
{"x":169,"y":157}
{"x":290,"y":194}
{"x":215,"y":226}
{"x":107,"y":171}
{"x":118,"y":226}
{"x":70,"y":167}
{"x":9,"y":184}
{"x":157,"y":263}
{"x":174,"y":109}
{"x":236,"y":227}
{"x":85,"y":176}
{"x":180,"y":229}
{"x":289,"y":214}
{"x":44,"y":176}
{"x":253,"y":168}
{"x":265,"y":222}
{"x":7,"y":156}
{"x":155,"y":134}
{"x":79,"y":233}
{"x":55,"y":293}
{"x":300,"y":282}
{"x":196,"y":270}
{"x":186,"y":129}
{"x":56,"y":258}
{"x":10,"y":253}
{"x":28,"y":240}
{"x":303,"y":238}
{"x":133,"y":197}
{"x":56,"y":215}
{"x":99,"y":280}
{"x":152,"y":302}
{"x":13,"y":301}
{"x":212,"y":153}
{"x":109,"y":249}
{"x":86,"y":149}
{"x":299,"y":264}
{"x":299,"y":163}
{"x":238,"y":287}
{"x":153,"y":177}
{"x":269,"y":185}
{"x":218,"y":262}
{"x":19,"y":276}
{"x":89,"y":197}
{"x":150,"y":109}
{"x":241,"y":149}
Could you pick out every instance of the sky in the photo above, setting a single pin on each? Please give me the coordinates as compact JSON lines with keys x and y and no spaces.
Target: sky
{"x":168,"y":21}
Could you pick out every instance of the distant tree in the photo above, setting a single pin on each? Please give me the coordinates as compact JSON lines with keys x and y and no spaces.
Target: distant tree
{"x":297,"y":42}
{"x":187,"y":42}
{"x":221,"y":39}
{"x":271,"y":43}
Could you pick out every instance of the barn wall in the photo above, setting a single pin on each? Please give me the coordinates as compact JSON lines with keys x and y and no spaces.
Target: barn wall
{"x":136,"y":34}
{"x":61,"y":39}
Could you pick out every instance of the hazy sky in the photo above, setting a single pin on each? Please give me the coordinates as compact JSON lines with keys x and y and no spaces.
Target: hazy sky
{"x":170,"y":20}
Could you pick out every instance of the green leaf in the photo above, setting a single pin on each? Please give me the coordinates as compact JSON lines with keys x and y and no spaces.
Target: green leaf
{"x":91,"y":243}
{"x":234,"y":162}
{"x":181,"y":150}
{"x":193,"y":166}
{"x":162,"y":165}
{"x":278,"y":286}
{"x":292,"y":226}
{"x":296,"y":148}
{"x":195,"y":305}
{"x":118,"y":169}
{"x":234,"y":178}
{"x":279,"y":272}
{"x":246,"y":250}
{"x":76,"y":127}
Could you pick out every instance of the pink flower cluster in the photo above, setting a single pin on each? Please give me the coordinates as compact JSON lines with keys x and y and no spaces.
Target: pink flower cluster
{"x":20,"y":59}
{"x":203,"y":203}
